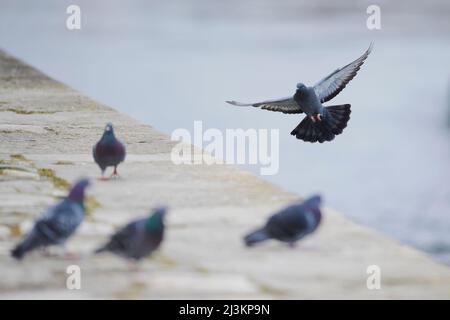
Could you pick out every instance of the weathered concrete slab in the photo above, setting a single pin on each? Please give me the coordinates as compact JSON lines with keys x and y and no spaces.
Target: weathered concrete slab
{"x":47,"y":125}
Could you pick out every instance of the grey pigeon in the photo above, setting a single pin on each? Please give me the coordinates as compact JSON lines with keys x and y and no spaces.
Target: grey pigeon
{"x":139,"y":238}
{"x":109,"y":151}
{"x":290,"y":224}
{"x":321,"y":123}
{"x":57,"y":224}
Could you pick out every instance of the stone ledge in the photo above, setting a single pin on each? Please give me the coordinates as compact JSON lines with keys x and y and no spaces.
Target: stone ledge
{"x":45,"y":124}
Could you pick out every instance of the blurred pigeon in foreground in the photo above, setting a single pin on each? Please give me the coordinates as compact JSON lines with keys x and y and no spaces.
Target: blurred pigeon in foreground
{"x":290,"y":224}
{"x":109,"y":151}
{"x":139,"y":238}
{"x":57,"y":224}
{"x":321,"y":123}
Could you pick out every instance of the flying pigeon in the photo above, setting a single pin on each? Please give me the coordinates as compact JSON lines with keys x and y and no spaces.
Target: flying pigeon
{"x":57,"y":224}
{"x":321,"y":123}
{"x":290,"y":224}
{"x":109,"y":151}
{"x":139,"y":238}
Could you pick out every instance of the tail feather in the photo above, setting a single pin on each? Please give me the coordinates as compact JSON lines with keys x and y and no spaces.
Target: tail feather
{"x":326,"y":132}
{"x":255,"y":237}
{"x":18,"y":252}
{"x":101,"y":250}
{"x":301,"y":129}
{"x":30,"y":243}
{"x":340,"y":115}
{"x":310,"y":132}
{"x":331,"y":125}
{"x":111,"y":246}
{"x":333,"y":122}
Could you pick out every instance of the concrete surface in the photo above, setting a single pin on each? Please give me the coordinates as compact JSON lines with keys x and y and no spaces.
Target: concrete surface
{"x":47,"y":125}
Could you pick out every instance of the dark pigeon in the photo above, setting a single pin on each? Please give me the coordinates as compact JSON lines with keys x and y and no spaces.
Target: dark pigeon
{"x":57,"y":224}
{"x":139,"y":238}
{"x":321,"y":123}
{"x":290,"y":224}
{"x":109,"y":151}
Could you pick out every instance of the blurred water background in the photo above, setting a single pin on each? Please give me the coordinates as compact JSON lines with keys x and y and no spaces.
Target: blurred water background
{"x":169,"y":63}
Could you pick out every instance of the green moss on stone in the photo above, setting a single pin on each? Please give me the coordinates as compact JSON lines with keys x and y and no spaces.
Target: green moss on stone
{"x":91,"y":204}
{"x":18,"y":157}
{"x":27,"y":112}
{"x":64,"y":163}
{"x":58,"y":182}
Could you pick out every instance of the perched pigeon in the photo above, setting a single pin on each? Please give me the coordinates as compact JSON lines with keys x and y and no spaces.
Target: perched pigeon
{"x":109,"y":151}
{"x":321,"y":123}
{"x":139,"y":238}
{"x":290,"y":224}
{"x":57,"y":224}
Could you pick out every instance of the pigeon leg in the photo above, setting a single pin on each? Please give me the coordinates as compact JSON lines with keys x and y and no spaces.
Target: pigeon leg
{"x":316,"y":118}
{"x":102,"y":177}
{"x":292,"y":245}
{"x":71,"y":255}
{"x":67,"y":254}
{"x":115,"y":174}
{"x":46,"y":252}
{"x":133,"y":266}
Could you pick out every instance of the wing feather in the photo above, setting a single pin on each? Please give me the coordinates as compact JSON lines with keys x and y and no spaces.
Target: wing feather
{"x":329,"y":87}
{"x":284,"y":105}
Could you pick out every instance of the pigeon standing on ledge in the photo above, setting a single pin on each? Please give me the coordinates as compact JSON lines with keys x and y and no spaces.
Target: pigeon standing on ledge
{"x":57,"y":224}
{"x":139,"y":238}
{"x":109,"y":151}
{"x":290,"y":224}
{"x":321,"y":123}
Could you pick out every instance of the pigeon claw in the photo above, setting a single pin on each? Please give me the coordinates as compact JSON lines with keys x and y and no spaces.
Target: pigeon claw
{"x":69,"y":255}
{"x":316,"y":118}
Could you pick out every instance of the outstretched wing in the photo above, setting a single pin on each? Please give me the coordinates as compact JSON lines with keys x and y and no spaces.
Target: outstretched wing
{"x":285,"y":105}
{"x":330,"y":86}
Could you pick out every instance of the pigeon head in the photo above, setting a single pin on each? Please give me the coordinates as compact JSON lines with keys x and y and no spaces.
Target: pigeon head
{"x":76,"y":193}
{"x":313,"y":203}
{"x":300,"y":86}
{"x":109,"y":129}
{"x":156,"y":221}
